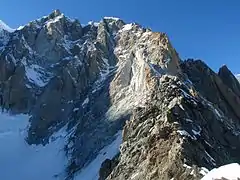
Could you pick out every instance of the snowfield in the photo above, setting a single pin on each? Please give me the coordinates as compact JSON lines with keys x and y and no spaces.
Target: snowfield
{"x":18,"y":160}
{"x":91,"y":171}
{"x":228,"y":172}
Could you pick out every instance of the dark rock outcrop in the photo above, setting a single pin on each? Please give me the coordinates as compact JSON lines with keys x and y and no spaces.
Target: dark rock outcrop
{"x":229,"y":79}
{"x":211,"y":86}
{"x":107,"y":166}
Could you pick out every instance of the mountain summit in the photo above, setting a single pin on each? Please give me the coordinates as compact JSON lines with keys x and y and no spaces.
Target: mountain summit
{"x":85,"y":90}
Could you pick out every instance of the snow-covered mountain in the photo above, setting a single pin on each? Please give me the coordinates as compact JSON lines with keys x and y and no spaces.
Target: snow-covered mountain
{"x":84,"y":90}
{"x":5,"y":27}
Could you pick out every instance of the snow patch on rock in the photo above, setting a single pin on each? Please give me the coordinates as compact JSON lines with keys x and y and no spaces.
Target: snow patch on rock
{"x":85,"y":102}
{"x":126,"y":27}
{"x":186,"y":134}
{"x":37,"y":75}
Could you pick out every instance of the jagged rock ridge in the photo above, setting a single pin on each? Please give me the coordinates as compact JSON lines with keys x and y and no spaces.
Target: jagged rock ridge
{"x":180,"y":132}
{"x":93,"y":78}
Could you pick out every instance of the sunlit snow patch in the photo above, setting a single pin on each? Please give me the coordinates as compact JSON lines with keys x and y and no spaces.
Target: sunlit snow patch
{"x":85,"y":102}
{"x":230,"y":172}
{"x":93,"y":23}
{"x":126,"y":27}
{"x":37,"y":75}
{"x":18,"y":160}
{"x":91,"y":171}
{"x":112,"y":18}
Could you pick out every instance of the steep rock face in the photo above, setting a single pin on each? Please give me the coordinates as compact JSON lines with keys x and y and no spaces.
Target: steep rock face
{"x":212,"y":87}
{"x":121,"y":86}
{"x":229,"y":79}
{"x":89,"y":78}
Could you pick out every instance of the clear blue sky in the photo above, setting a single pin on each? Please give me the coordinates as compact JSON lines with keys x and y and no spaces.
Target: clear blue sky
{"x":204,"y":29}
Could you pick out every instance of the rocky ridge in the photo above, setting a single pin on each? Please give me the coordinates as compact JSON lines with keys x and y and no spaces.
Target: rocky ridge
{"x":180,"y":133}
{"x":103,"y":77}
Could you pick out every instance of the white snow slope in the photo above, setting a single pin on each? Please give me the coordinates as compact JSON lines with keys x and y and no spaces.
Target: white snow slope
{"x":91,"y":171}
{"x":229,"y":172}
{"x":18,"y":160}
{"x":5,"y":27}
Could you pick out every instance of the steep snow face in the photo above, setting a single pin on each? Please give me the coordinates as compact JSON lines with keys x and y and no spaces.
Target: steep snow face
{"x":230,"y":172}
{"x":91,"y":171}
{"x":5,"y":27}
{"x":238,"y":77}
{"x":18,"y":160}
